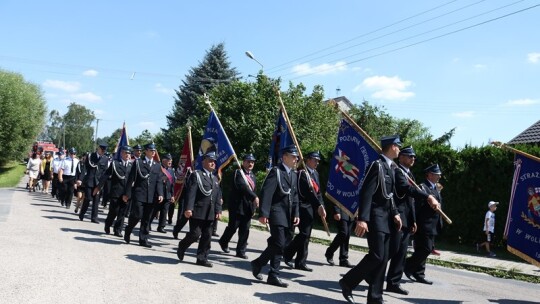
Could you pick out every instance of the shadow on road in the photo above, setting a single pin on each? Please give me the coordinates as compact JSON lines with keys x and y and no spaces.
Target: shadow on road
{"x":82,"y":231}
{"x":215,"y":278}
{"x":507,"y":301}
{"x":328,"y":285}
{"x":60,"y":218}
{"x":432,"y":301}
{"x":295,"y":297}
{"x":151,"y":259}
{"x":99,"y":240}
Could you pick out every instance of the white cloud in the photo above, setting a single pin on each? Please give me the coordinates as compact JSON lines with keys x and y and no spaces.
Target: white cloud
{"x":323,"y":69}
{"x":88,"y":96}
{"x":480,"y":66}
{"x":90,"y":73}
{"x":161,"y":89}
{"x":522,"y":102}
{"x":464,"y":114}
{"x":387,"y":88}
{"x":533,"y":57}
{"x":68,"y":86}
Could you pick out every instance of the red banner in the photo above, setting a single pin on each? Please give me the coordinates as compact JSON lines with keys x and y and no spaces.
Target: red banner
{"x":184,"y":164}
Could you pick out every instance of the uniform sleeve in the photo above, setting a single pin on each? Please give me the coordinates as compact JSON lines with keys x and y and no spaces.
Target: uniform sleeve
{"x":368,"y":190}
{"x":307,"y":191}
{"x":106,"y":176}
{"x":131,"y":178}
{"x":267,"y":192}
{"x":191,"y":194}
{"x":219,"y":205}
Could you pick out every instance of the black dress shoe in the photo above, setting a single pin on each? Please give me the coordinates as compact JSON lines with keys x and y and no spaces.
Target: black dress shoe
{"x":127,"y":238}
{"x":175,"y":234}
{"x":330,"y":260}
{"x":289,"y":263}
{"x":95,"y":221}
{"x":272,"y":280}
{"x":409,"y":275}
{"x":215,"y":234}
{"x":118,"y":234}
{"x":256,"y":270}
{"x":81,"y":218}
{"x":161,"y":230}
{"x":242,"y":256}
{"x":180,"y":254}
{"x":204,"y":263}
{"x":224,"y":247}
{"x":303,"y":268}
{"x":345,"y":263}
{"x":396,"y":289}
{"x":107,"y":230}
{"x":422,"y":280}
{"x":346,"y":292}
{"x":145,"y":244}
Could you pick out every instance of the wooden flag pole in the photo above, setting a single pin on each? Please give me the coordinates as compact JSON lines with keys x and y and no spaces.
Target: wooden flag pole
{"x":302,"y":164}
{"x":376,"y":146}
{"x":504,"y":146}
{"x":207,"y":101}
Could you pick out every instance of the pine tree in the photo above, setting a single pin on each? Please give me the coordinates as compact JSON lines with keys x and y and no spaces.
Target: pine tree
{"x":215,"y":69}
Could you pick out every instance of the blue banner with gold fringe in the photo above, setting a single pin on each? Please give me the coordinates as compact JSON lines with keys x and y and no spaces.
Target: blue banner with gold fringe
{"x":523,"y":222}
{"x":352,"y":157}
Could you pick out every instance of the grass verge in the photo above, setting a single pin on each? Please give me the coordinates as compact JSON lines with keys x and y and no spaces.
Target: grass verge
{"x":11,"y":174}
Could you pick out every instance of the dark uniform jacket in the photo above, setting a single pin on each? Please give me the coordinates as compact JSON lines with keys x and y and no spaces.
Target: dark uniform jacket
{"x":306,"y":191}
{"x":118,"y":175}
{"x":144,"y":183}
{"x":242,"y":194}
{"x":275,"y":204}
{"x":406,"y":193}
{"x":374,"y":208}
{"x":343,"y":214}
{"x":95,"y":167}
{"x":203,"y":196}
{"x":80,"y":171}
{"x":168,"y":186}
{"x":427,"y":219}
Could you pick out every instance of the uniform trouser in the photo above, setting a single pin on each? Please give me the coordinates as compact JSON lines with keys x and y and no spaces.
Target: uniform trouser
{"x":140,"y":212}
{"x":68,"y":186}
{"x":170,"y":213}
{"x":95,"y":203}
{"x":341,"y":240}
{"x":54,"y":189}
{"x":241,"y":223}
{"x":117,"y":211}
{"x":198,"y":228}
{"x":163,"y":209}
{"x":399,"y":241}
{"x":423,"y":245}
{"x":214,"y":226}
{"x":299,"y":244}
{"x":280,"y":237}
{"x":372,"y":267}
{"x":181,"y":221}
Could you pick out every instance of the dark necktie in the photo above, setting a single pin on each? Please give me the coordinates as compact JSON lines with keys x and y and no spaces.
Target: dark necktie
{"x":72,"y":167}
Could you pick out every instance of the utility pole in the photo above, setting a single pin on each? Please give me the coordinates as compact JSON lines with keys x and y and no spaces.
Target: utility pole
{"x":95,"y":137}
{"x":64,"y":136}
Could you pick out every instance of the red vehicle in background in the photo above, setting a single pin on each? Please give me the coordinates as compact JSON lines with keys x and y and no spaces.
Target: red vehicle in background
{"x":41,"y":147}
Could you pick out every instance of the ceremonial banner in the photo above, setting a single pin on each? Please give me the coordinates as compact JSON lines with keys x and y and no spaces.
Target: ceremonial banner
{"x":523,"y":222}
{"x":184,"y":164}
{"x":280,"y":138}
{"x":348,"y":166}
{"x":215,"y":139}
{"x":122,"y":141}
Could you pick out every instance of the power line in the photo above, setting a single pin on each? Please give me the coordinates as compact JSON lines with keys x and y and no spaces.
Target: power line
{"x":419,"y":42}
{"x":394,"y":32}
{"x":363,"y":35}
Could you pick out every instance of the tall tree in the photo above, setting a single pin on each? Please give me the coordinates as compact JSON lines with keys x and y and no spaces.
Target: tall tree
{"x":215,"y":69}
{"x":23,"y":111}
{"x":78,"y":128}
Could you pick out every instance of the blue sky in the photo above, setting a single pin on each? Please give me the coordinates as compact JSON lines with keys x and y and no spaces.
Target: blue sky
{"x":123,"y":59}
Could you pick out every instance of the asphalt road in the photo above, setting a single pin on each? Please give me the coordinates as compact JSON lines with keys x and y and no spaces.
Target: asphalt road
{"x":48,"y":256}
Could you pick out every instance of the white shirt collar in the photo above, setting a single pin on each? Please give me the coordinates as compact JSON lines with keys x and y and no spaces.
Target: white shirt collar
{"x":287,"y":169}
{"x":387,"y":160}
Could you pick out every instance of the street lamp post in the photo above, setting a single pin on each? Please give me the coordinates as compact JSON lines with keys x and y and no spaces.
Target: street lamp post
{"x":250,"y":55}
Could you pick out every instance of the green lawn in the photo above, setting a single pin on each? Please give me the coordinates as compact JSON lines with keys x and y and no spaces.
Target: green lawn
{"x":11,"y":174}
